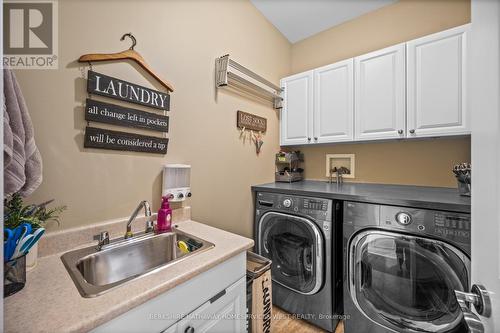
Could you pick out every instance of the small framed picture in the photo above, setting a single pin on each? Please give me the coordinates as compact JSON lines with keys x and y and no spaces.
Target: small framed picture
{"x":340,"y":160}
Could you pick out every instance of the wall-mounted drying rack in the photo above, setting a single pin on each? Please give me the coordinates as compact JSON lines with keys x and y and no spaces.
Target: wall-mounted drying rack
{"x":232,"y":74}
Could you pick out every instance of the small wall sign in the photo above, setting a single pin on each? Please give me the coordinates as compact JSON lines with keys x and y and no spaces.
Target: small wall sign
{"x":118,"y":115}
{"x":108,"y":86}
{"x":251,"y":122}
{"x":114,"y":140}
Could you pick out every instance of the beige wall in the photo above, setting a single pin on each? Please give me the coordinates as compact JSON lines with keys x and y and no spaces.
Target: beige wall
{"x":180,"y":39}
{"x":426,"y":162}
{"x":389,"y":25}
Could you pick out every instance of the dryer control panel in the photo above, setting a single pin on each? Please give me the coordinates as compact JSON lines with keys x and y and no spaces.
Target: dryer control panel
{"x":451,"y":226}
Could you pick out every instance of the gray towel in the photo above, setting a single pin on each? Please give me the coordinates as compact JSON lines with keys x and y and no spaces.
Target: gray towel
{"x":22,"y":160}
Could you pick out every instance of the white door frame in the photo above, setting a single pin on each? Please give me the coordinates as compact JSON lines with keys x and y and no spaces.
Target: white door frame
{"x":484,"y":90}
{"x":1,"y":179}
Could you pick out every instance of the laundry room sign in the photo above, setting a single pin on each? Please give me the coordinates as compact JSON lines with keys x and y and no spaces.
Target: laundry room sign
{"x":106,"y":139}
{"x":118,"y":115}
{"x":108,"y":86}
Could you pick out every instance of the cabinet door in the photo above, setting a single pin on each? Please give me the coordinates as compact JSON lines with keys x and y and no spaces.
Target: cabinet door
{"x":436,"y":84}
{"x":224,"y":313}
{"x":380,"y":94}
{"x":296,"y":114}
{"x":334,"y":102}
{"x":162,"y":313}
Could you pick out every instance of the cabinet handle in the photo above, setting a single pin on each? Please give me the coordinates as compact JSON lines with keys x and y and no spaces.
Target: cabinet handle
{"x":400,"y":131}
{"x":315,"y":138}
{"x":412,"y":131}
{"x":308,"y":139}
{"x":189,"y":329}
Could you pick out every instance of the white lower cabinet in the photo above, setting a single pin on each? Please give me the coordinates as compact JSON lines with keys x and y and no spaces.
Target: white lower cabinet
{"x":220,"y":314}
{"x":214,"y":301}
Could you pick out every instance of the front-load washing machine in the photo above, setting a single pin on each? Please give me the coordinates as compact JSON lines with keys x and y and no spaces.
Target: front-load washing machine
{"x":402,"y":267}
{"x":299,"y":235}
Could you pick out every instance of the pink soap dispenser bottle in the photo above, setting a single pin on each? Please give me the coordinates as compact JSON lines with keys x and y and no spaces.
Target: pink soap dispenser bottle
{"x":164,"y":221}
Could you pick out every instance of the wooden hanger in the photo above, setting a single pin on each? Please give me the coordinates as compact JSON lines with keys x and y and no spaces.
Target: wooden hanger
{"x":129,"y":54}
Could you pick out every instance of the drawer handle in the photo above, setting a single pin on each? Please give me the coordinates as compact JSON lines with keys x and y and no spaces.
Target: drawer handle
{"x":412,"y":131}
{"x":217,"y":296}
{"x":189,"y":329}
{"x":400,"y":131}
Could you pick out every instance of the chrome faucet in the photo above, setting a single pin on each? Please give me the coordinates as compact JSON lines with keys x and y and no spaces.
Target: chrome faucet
{"x":339,"y":172}
{"x":147,"y":213}
{"x":103,"y":239}
{"x":340,"y":179}
{"x":332,"y":171}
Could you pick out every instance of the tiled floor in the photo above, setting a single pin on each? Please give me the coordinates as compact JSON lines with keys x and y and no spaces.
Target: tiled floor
{"x":284,"y":324}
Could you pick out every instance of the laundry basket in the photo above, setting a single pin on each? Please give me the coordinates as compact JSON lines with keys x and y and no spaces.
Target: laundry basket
{"x":259,"y":294}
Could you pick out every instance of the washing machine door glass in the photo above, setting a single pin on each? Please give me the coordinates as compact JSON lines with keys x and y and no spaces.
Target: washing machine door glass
{"x":406,"y":283}
{"x":295,"y":246}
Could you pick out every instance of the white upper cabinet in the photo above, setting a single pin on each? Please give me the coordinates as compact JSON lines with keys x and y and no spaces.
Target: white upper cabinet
{"x":296,"y":114}
{"x":380,"y":94}
{"x":410,"y":90}
{"x":436,"y":84}
{"x":334,"y":102}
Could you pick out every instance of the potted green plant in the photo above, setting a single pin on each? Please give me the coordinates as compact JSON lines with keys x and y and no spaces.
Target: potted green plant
{"x":16,"y":213}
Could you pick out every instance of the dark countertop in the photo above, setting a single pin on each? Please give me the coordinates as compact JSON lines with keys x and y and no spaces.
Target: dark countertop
{"x":438,"y":198}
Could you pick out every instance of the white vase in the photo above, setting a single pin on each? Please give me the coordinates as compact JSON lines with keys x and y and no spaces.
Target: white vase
{"x":31,"y":257}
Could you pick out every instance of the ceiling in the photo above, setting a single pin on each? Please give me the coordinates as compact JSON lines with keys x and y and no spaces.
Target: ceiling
{"x":299,"y":19}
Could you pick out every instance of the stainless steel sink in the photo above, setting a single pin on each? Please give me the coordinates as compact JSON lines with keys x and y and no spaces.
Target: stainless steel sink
{"x":97,"y":271}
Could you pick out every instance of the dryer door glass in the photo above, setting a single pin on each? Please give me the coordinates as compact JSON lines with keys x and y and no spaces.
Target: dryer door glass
{"x":295,"y":246}
{"x":406,"y":283}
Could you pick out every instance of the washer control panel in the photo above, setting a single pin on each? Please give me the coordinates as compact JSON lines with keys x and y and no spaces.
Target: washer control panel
{"x":315,"y":204}
{"x":315,"y":207}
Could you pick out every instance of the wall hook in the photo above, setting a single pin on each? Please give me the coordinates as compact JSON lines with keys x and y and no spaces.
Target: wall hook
{"x":134,"y":41}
